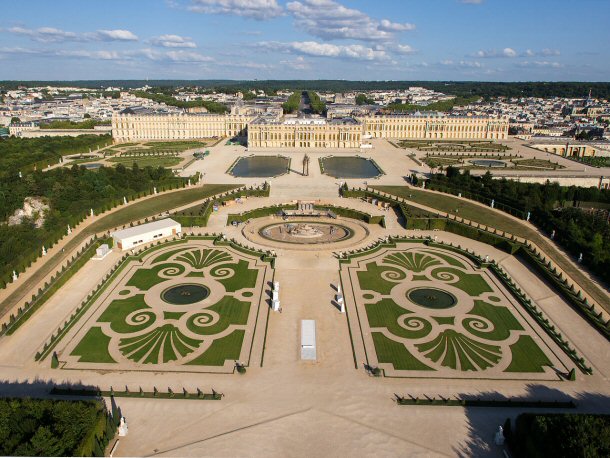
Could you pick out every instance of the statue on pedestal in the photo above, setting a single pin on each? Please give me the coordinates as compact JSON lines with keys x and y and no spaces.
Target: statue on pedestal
{"x":123,"y":429}
{"x":15,"y":276}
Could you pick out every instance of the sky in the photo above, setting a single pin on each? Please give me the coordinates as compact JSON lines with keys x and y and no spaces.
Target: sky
{"x":486,"y":40}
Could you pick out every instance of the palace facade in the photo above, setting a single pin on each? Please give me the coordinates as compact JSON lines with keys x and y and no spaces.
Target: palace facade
{"x":177,"y":126}
{"x":278,"y":132}
{"x":434,"y":126}
{"x":304,"y":133}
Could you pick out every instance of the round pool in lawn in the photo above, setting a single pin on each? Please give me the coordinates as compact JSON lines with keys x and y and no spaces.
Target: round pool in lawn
{"x":432,"y":298}
{"x":488,"y":163}
{"x":350,"y":167}
{"x":185,"y":294}
{"x":260,"y":166}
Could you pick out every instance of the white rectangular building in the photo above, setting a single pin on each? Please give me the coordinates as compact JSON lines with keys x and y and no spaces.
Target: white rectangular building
{"x":129,"y":238}
{"x":308,"y":339}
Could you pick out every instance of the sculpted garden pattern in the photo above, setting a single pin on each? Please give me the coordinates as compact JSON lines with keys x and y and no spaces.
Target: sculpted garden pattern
{"x":186,"y":304}
{"x":431,"y":310}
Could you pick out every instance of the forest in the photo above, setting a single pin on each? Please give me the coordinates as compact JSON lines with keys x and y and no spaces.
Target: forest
{"x":565,"y":210}
{"x":559,"y":435}
{"x":457,"y":88}
{"x":69,"y":192}
{"x":45,"y":427}
{"x":24,"y":154}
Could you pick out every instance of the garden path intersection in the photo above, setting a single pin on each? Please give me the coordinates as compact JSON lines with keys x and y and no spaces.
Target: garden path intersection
{"x":432,"y":318}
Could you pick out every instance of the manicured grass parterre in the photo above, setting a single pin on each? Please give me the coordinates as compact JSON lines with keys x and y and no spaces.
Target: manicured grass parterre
{"x":135,"y":327}
{"x":481,"y":332}
{"x":146,"y":161}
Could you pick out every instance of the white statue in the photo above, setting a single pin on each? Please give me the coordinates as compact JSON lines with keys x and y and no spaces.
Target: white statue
{"x":486,"y":258}
{"x":155,"y":190}
{"x":189,"y":183}
{"x":528,"y":216}
{"x":123,"y":429}
{"x":69,"y":231}
{"x":492,"y":203}
{"x":20,"y":175}
{"x":44,"y":251}
{"x":124,"y":200}
{"x":499,"y":437}
{"x":91,"y":212}
{"x":275,"y":305}
{"x":15,"y":276}
{"x":341,"y":302}
{"x":580,"y":258}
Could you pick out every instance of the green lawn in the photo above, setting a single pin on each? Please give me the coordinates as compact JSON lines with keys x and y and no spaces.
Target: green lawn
{"x":385,"y":314}
{"x":495,"y":218}
{"x":93,"y":348}
{"x":225,"y":348}
{"x":527,"y":356}
{"x":231,"y":311}
{"x":145,"y":161}
{"x":144,"y":279}
{"x":395,"y":353}
{"x":244,"y":276}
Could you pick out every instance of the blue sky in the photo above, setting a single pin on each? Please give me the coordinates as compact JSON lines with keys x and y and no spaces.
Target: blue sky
{"x":491,"y":40}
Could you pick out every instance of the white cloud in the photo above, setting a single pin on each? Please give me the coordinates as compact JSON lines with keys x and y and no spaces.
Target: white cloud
{"x":175,"y":56}
{"x":395,"y":26}
{"x":173,"y":41}
{"x":115,"y":35}
{"x":187,"y":56}
{"x":546,"y":64}
{"x":461,"y":63}
{"x":255,"y":9}
{"x":54,"y":35}
{"x":329,"y":20}
{"x":510,"y":53}
{"x":506,"y":52}
{"x":403,"y":49}
{"x":549,"y":52}
{"x":316,"y":49}
{"x":44,"y":34}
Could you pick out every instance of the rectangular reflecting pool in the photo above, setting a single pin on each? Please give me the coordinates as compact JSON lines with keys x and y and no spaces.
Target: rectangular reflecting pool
{"x":350,"y":167}
{"x":260,"y":166}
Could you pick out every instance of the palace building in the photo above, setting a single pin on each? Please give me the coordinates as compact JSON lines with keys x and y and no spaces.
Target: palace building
{"x":274,"y":131}
{"x":128,"y":127}
{"x":304,"y":133}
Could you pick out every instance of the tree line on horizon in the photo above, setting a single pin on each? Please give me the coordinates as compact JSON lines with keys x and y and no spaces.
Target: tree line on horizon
{"x":575,"y":89}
